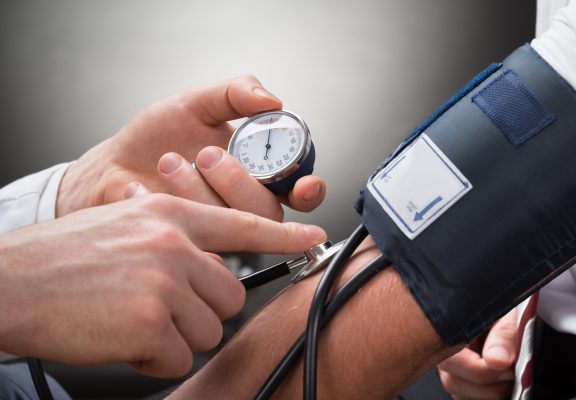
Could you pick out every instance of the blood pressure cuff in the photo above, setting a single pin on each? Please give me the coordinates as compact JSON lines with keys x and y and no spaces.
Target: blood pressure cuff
{"x":477,"y":208}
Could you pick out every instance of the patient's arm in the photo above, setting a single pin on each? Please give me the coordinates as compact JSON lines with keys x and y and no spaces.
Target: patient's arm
{"x":374,"y":347}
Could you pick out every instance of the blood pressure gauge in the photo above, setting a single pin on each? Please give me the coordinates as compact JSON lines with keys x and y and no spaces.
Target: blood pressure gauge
{"x":275,"y":147}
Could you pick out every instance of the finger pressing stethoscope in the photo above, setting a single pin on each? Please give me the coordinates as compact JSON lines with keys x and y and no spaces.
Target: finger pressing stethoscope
{"x":183,"y":180}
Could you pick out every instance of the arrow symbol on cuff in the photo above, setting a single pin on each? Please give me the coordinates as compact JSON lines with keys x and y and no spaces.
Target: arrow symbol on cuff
{"x":419,"y":215}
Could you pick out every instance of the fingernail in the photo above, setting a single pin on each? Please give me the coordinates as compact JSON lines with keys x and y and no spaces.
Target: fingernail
{"x":312,"y":193}
{"x":133,"y":189}
{"x":209,"y":157}
{"x":500,"y":353}
{"x":169,"y":163}
{"x":316,"y":233}
{"x":261,"y":92}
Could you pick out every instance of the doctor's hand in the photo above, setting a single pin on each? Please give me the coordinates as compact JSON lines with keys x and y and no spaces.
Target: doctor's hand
{"x":134,"y":281}
{"x":219,"y":179}
{"x":183,"y":123}
{"x":484,"y":371}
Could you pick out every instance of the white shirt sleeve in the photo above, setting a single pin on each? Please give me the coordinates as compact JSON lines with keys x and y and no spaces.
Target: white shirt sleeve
{"x":557,"y":45}
{"x":31,"y":199}
{"x":545,"y":10}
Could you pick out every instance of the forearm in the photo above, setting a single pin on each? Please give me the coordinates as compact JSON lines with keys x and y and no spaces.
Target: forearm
{"x":376,"y":345}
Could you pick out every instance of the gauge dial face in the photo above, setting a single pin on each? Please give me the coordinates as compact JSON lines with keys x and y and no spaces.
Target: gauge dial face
{"x":269,"y":144}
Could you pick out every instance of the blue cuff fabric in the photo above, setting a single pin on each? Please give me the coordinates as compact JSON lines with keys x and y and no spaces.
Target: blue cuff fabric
{"x":512,"y":138}
{"x":513,"y":108}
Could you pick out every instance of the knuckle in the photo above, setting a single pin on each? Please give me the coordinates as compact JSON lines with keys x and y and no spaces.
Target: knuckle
{"x":164,"y":280}
{"x":235,"y":298}
{"x":151,"y":317}
{"x":216,"y":257}
{"x":292,"y":234}
{"x":180,"y":364}
{"x":158,"y":283}
{"x":167,"y":237}
{"x":156,"y":202}
{"x":184,"y":365}
{"x":251,"y":229}
{"x":212,"y":335}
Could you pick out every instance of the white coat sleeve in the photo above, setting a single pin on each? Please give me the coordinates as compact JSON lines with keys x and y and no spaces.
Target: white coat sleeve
{"x":30,"y":199}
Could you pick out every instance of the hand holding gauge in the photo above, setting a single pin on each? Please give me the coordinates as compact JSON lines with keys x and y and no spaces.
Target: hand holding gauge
{"x":275,"y":147}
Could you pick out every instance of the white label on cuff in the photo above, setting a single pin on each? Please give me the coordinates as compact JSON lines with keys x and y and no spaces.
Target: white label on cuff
{"x":418,"y":186}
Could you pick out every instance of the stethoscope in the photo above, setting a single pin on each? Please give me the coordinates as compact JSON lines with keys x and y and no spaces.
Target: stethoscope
{"x":311,"y":261}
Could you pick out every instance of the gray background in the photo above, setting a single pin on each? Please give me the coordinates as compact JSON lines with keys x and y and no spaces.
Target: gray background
{"x":362,"y":73}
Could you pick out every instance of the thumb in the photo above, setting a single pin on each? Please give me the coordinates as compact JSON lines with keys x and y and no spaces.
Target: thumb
{"x":235,"y":98}
{"x":500,"y":347}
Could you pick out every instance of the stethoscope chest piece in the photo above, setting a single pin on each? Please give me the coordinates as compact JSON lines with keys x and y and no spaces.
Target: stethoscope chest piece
{"x":318,"y":257}
{"x":311,"y":261}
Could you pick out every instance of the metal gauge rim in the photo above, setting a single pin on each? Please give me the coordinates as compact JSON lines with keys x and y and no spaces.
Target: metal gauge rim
{"x":295,"y":163}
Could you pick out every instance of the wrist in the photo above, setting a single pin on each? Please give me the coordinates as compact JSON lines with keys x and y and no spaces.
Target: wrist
{"x":81,"y":186}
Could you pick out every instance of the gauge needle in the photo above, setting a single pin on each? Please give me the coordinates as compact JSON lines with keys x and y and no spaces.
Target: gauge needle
{"x":268,"y":142}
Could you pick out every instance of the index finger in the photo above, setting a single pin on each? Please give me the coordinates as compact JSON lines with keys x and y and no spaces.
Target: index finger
{"x":219,"y":229}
